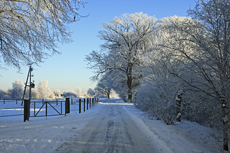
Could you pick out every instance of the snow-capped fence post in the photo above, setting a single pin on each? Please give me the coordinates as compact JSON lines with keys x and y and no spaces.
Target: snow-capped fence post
{"x":84,"y":104}
{"x":87,"y":103}
{"x":67,"y":106}
{"x":90,"y":102}
{"x":79,"y":105}
{"x":178,"y":106}
{"x":225,"y":123}
{"x":26,"y":110}
{"x":56,"y":101}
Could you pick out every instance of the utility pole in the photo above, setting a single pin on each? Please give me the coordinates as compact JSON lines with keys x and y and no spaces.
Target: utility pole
{"x":31,"y":84}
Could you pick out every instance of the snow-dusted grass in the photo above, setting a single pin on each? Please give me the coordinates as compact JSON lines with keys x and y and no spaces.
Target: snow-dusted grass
{"x":43,"y":134}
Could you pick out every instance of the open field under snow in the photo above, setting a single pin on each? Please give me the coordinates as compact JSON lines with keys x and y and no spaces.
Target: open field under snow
{"x":112,"y":126}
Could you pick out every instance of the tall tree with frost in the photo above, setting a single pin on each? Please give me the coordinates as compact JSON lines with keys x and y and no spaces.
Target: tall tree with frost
{"x":203,"y":47}
{"x":17,"y":89}
{"x":90,"y":92}
{"x":79,"y":92}
{"x":215,"y":16}
{"x":58,"y":93}
{"x":126,"y":38}
{"x":30,"y":28}
{"x":104,"y":86}
{"x":44,"y":90}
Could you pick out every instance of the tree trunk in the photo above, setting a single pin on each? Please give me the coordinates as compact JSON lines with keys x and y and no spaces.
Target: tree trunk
{"x":225,"y":123}
{"x":129,"y":83}
{"x":130,"y":96}
{"x":178,"y":106}
{"x":108,"y":93}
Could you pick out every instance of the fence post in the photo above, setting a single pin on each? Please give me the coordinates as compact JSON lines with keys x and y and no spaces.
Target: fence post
{"x":79,"y":106}
{"x":56,"y":101}
{"x":87,"y":103}
{"x":97,"y":99}
{"x":26,"y":110}
{"x":34,"y":109}
{"x":90,"y":102}
{"x":61,"y":107}
{"x":84,"y":104}
{"x":46,"y":108}
{"x":67,"y":106}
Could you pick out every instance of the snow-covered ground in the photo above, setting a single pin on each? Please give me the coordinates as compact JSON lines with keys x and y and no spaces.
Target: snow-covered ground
{"x":46,"y":134}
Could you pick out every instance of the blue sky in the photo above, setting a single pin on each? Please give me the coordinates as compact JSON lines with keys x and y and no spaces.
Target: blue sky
{"x":68,"y":71}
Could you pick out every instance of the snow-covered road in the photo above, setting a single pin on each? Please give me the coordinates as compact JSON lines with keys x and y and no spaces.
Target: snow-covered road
{"x":108,"y":127}
{"x":112,"y":130}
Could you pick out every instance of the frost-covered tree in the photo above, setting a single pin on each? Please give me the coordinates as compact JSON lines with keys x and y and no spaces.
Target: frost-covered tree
{"x":2,"y":94}
{"x":44,"y":90}
{"x":34,"y":93}
{"x":31,"y":28}
{"x":51,"y":95}
{"x":158,"y":88}
{"x":79,"y":92}
{"x":90,"y":92}
{"x":70,"y":94}
{"x":202,"y":46}
{"x":17,"y":89}
{"x":104,"y":86}
{"x":126,"y":39}
{"x":57,"y":93}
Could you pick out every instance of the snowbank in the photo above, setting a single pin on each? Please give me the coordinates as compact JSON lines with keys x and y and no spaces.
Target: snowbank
{"x":184,"y":137}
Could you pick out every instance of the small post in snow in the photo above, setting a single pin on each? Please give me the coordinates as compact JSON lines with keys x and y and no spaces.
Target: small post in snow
{"x":79,"y":105}
{"x":67,"y":106}
{"x":26,"y":110}
{"x":87,"y":103}
{"x":84,"y":104}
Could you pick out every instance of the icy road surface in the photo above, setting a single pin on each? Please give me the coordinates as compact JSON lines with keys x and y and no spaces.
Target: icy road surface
{"x":113,"y":130}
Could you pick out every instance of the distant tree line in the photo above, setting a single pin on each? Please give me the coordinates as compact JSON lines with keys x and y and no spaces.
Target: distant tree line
{"x":42,"y":91}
